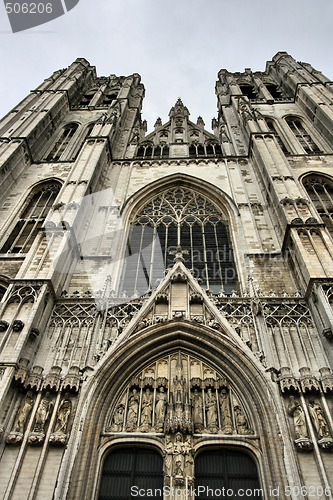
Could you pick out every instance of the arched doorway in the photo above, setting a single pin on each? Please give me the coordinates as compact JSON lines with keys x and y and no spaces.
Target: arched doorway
{"x":231,"y":469}
{"x":131,"y":467}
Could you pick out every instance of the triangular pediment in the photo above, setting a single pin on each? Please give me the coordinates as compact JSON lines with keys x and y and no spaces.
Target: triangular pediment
{"x":180,"y":299}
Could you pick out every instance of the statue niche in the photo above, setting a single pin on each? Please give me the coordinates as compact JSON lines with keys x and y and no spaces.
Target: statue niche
{"x":20,"y":423}
{"x":178,"y":394}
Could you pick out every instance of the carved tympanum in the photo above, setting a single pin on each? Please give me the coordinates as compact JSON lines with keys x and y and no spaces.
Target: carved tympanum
{"x":178,"y":393}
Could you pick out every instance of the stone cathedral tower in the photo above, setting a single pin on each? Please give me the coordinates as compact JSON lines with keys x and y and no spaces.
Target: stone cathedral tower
{"x":166,"y":299}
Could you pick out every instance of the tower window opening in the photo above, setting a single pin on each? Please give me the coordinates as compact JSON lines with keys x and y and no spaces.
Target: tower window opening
{"x":108,"y":98}
{"x":249,"y":91}
{"x":302,"y":135}
{"x":87,"y":98}
{"x":62,"y":143}
{"x":275,"y":91}
{"x":31,"y":219}
{"x":320,"y":191}
{"x":272,"y":128}
{"x":2,"y":291}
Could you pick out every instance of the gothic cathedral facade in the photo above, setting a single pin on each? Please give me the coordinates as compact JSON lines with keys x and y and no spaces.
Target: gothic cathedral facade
{"x":166,"y":298}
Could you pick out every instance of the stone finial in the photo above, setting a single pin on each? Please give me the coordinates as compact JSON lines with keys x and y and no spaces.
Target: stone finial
{"x":178,"y":253}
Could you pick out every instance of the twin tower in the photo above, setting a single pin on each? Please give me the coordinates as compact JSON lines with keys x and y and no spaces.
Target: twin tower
{"x":166,"y":298}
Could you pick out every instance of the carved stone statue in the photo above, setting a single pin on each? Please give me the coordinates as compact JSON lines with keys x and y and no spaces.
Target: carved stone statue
{"x":43,"y":413}
{"x":197,"y":411}
{"x":189,"y":460}
{"x":118,"y":418}
{"x":168,"y":454}
{"x":160,"y":409}
{"x":63,"y":414}
{"x":178,"y":454}
{"x":23,"y":413}
{"x":319,"y":420}
{"x":296,"y":411}
{"x":242,"y":424}
{"x":211,"y":411}
{"x":147,"y":408}
{"x":133,"y":410}
{"x":225,"y":412}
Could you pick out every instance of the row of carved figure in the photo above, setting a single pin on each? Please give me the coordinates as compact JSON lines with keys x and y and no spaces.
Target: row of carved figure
{"x":319,"y":421}
{"x":42,"y":417}
{"x":209,"y":410}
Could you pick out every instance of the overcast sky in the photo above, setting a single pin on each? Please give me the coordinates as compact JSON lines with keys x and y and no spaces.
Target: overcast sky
{"x":177,"y":46}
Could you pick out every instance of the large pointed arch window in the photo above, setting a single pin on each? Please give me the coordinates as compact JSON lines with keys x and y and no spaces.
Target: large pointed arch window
{"x":320,"y":190}
{"x":179,"y":216}
{"x":31,"y":218}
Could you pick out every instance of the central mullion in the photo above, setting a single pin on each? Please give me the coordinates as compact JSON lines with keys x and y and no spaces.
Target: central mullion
{"x":205,"y":255}
{"x":191,"y":249}
{"x":152,"y":259}
{"x":218,"y":256}
{"x":166,"y":247}
{"x":139,"y":259}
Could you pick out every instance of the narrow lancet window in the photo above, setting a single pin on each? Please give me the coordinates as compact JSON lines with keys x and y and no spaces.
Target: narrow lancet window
{"x":31,"y":219}
{"x":320,"y":190}
{"x":303,"y":137}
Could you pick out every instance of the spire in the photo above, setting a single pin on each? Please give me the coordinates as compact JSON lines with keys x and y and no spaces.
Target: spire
{"x":179,"y":110}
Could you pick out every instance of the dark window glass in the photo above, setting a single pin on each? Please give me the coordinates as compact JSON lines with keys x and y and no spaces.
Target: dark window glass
{"x":108,"y":98}
{"x":88,"y":96}
{"x":192,"y":150}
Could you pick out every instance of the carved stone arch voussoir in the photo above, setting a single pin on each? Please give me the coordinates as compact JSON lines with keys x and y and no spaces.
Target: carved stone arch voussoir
{"x":210,"y":191}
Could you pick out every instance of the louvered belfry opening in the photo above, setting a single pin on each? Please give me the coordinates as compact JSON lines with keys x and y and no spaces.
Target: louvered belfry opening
{"x":231,"y":469}
{"x":129,"y":467}
{"x":179,"y":216}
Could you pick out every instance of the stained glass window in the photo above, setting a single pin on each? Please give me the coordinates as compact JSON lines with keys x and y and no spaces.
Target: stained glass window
{"x":179,"y":216}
